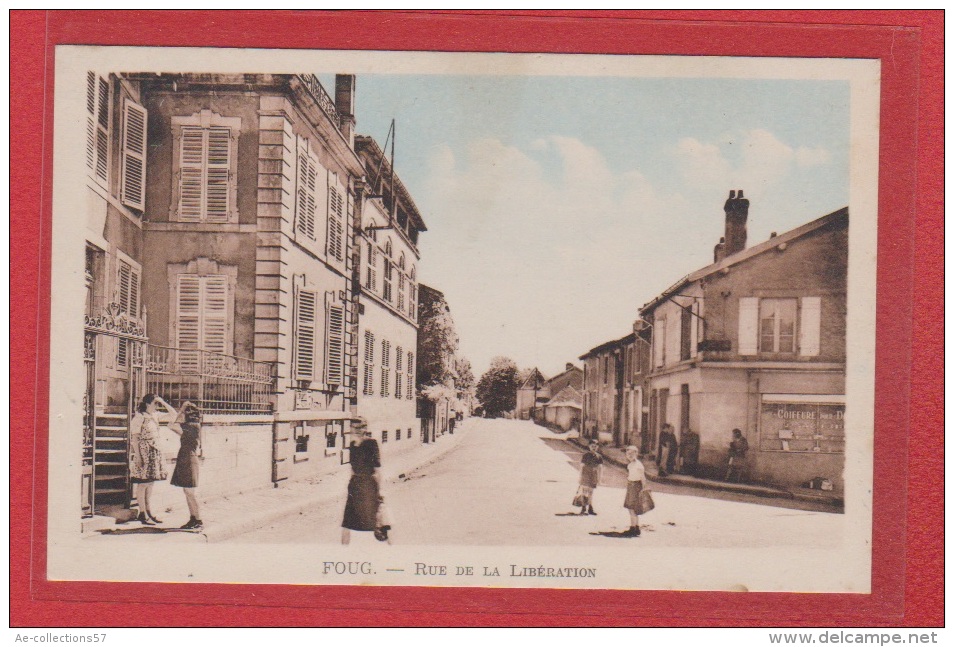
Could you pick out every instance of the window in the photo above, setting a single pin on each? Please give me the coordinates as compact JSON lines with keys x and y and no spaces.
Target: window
{"x":384,"y":436}
{"x":132,"y":189}
{"x":412,"y":294}
{"x":97,"y":125}
{"x":368,"y":363}
{"x":399,"y":375}
{"x":388,"y":272}
{"x":203,"y":316}
{"x":205,"y":167}
{"x":409,"y":433}
{"x":335,"y":224}
{"x":306,"y":314}
{"x":659,"y":342}
{"x":385,"y":368}
{"x":371,"y":279}
{"x":397,"y":435}
{"x":128,"y":300}
{"x":606,"y":369}
{"x":402,"y":284}
{"x":685,"y":333}
{"x":410,"y":376}
{"x":334,"y":338}
{"x":777,"y":325}
{"x":306,"y":197}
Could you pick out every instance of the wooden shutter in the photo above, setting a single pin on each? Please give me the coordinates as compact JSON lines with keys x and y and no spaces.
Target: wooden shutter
{"x":399,"y":372}
{"x":218,"y":167}
{"x":372,"y":280}
{"x":809,"y":343}
{"x":97,"y":125}
{"x":191,"y":157}
{"x":133,"y":182}
{"x":91,"y":120}
{"x":305,"y":325}
{"x":659,"y":342}
{"x":368,"y":362}
{"x":334,"y":357}
{"x":307,"y":186}
{"x":215,"y":319}
{"x":335,"y":221}
{"x":128,"y":289}
{"x":188,"y":320}
{"x":410,"y":375}
{"x":385,"y":367}
{"x":748,"y":326}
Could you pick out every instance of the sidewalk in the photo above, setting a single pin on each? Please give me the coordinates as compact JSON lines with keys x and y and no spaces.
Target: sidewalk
{"x":617,"y":456}
{"x":228,"y":516}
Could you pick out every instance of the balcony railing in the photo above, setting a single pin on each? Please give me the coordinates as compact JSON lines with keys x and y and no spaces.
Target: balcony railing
{"x":217,"y":383}
{"x":318,"y":93}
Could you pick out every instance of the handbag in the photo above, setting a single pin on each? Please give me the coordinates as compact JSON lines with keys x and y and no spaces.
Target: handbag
{"x":646,"y":502}
{"x":580,"y":499}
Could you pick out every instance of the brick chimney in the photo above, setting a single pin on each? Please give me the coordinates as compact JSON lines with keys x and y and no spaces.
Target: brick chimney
{"x":718,"y":253}
{"x":569,"y":366}
{"x":736,"y":215}
{"x":344,"y":104}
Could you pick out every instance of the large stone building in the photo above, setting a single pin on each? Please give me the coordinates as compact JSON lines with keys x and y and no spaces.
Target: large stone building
{"x":756,"y":341}
{"x":242,"y":247}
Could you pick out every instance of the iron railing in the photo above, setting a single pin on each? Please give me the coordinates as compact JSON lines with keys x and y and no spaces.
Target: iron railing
{"x":217,"y":383}
{"x":313,"y":85}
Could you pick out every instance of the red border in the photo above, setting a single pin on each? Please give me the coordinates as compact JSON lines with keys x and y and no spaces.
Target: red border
{"x":908,"y":530}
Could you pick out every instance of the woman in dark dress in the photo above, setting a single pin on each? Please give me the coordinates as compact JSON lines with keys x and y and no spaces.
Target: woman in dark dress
{"x":364,"y":492}
{"x":186,"y":473}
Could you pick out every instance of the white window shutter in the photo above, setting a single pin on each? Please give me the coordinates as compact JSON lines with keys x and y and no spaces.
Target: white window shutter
{"x":91,"y":120}
{"x":218,"y":167}
{"x":305,"y":324}
{"x":368,"y":362}
{"x":191,"y":180}
{"x":659,"y":342}
{"x":102,"y":132}
{"x":334,"y":357}
{"x":410,"y":375}
{"x":748,"y":326}
{"x":809,"y":343}
{"x":335,"y":220}
{"x":306,"y":199}
{"x":215,"y":328}
{"x":133,"y":184}
{"x":188,"y":320}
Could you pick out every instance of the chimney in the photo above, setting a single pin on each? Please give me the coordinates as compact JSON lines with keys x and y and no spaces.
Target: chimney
{"x":736,"y":215}
{"x":344,"y":104}
{"x":719,"y":252}
{"x":569,"y":366}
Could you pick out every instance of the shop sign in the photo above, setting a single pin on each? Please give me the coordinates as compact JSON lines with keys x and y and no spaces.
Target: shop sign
{"x":804,"y":427}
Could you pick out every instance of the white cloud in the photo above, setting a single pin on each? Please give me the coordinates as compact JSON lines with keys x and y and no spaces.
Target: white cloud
{"x":808,"y":157}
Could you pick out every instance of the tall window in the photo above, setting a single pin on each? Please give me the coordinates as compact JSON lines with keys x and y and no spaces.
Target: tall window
{"x":777,"y":325}
{"x":306,"y":203}
{"x":685,"y":333}
{"x":306,"y":323}
{"x":205,"y":167}
{"x":335,"y":224}
{"x":385,"y":368}
{"x":410,"y":376}
{"x":399,"y":373}
{"x":97,"y":125}
{"x":371,"y":278}
{"x":334,"y":338}
{"x":368,"y":363}
{"x":402,"y":284}
{"x":203,"y":317}
{"x":388,"y":272}
{"x":412,"y":294}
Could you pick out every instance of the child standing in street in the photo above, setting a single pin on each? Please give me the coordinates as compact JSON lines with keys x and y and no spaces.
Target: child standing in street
{"x":636,"y":474}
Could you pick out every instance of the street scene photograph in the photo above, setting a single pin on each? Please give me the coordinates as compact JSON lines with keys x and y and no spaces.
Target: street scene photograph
{"x":463,"y":319}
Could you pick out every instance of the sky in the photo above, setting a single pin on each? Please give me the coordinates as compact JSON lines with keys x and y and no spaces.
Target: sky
{"x":557,"y":206}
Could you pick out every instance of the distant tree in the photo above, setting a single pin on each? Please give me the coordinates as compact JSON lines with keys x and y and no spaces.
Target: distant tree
{"x":497,"y":388}
{"x":466,"y":383}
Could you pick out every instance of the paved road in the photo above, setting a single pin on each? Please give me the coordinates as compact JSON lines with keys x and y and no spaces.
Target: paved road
{"x":511,"y":483}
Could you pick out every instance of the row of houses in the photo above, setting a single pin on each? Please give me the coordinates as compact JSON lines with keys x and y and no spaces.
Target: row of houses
{"x":755,"y":341}
{"x":248,"y":251}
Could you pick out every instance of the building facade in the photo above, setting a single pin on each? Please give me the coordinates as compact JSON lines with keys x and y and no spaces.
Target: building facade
{"x":756,"y":342}
{"x":615,"y":398}
{"x":238,"y":256}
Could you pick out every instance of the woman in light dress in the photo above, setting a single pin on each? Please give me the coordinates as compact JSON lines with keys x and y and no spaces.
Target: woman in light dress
{"x":146,"y":464}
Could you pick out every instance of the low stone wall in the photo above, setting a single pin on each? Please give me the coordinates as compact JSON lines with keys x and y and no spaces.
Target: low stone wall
{"x":236,"y":457}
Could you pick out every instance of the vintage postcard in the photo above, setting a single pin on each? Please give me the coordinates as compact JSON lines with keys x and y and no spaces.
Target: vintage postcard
{"x":470,"y":320}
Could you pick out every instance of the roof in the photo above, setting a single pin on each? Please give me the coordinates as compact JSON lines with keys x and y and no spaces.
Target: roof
{"x":568,"y":397}
{"x":366,"y":143}
{"x":744,"y":255}
{"x":610,"y":345}
{"x":540,"y":381}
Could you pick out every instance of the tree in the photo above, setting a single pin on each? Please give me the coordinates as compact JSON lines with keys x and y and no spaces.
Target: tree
{"x":437,"y":341}
{"x":466,"y":384}
{"x":497,"y":388}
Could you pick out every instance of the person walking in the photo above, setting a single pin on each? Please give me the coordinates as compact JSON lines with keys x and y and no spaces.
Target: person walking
{"x":591,"y":472}
{"x":145,"y":465}
{"x":364,"y":488}
{"x":186,"y":473}
{"x":689,"y":452}
{"x":668,"y":447}
{"x":635,"y":475}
